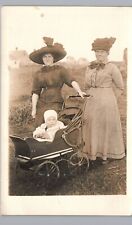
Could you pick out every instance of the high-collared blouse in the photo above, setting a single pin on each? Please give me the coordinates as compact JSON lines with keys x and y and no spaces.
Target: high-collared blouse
{"x":103,"y":77}
{"x":48,"y":82}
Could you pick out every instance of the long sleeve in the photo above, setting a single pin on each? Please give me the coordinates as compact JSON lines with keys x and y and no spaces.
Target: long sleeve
{"x":61,"y":125}
{"x":39,"y":130}
{"x":67,"y":78}
{"x":36,"y":87}
{"x":117,"y":77}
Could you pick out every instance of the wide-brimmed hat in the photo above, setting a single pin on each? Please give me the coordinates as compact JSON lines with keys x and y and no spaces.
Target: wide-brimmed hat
{"x":56,"y":49}
{"x":103,"y":44}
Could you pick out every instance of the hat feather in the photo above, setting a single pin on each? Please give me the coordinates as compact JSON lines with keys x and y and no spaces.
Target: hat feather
{"x":58,"y":45}
{"x":48,"y":41}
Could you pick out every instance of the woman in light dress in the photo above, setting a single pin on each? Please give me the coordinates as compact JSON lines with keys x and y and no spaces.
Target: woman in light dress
{"x":102,"y":131}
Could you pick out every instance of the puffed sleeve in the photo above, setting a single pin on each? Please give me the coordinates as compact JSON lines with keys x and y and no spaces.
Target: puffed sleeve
{"x":39,"y":130}
{"x":67,"y":78}
{"x":36,"y":86}
{"x":117,"y":77}
{"x":61,"y":125}
{"x":43,"y":126}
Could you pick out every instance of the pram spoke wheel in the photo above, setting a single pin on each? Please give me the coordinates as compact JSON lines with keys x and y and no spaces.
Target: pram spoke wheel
{"x":48,"y":173}
{"x":78,"y":163}
{"x":63,"y":166}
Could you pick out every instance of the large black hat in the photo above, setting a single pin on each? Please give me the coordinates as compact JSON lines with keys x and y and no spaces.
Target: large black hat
{"x":56,"y":49}
{"x":103,"y":44}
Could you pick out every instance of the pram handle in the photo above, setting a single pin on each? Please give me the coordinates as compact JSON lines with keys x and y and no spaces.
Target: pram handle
{"x":76,"y":96}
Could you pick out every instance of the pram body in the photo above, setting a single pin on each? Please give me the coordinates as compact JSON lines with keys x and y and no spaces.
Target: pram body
{"x":52,"y":160}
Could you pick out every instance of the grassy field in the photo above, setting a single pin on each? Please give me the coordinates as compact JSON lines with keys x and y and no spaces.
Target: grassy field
{"x":100,"y":179}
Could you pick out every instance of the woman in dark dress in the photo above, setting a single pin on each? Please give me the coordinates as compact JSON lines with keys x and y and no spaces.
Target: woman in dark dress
{"x":49,"y":80}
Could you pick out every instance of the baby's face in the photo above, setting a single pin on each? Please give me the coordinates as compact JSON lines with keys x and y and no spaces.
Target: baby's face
{"x":51,"y":121}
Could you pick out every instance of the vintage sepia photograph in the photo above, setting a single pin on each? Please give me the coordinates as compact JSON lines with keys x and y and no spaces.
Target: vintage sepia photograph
{"x":64,"y":121}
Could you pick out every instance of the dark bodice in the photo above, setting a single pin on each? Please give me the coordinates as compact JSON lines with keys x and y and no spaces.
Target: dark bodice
{"x":48,"y":82}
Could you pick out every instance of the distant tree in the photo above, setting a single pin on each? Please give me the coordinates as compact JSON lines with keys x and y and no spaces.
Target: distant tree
{"x":70,"y":61}
{"x":82,"y":62}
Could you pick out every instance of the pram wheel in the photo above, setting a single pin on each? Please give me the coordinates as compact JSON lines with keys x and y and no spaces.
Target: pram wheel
{"x":48,"y":173}
{"x":64,"y":169}
{"x":78,"y":163}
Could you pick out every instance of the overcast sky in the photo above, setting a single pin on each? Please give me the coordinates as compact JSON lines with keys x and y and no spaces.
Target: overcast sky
{"x":74,"y":27}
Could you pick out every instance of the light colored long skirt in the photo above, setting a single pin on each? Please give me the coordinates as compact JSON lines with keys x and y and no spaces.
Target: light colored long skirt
{"x":102,"y":131}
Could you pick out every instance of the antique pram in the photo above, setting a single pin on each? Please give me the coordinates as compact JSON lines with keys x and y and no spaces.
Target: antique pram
{"x":58,"y":159}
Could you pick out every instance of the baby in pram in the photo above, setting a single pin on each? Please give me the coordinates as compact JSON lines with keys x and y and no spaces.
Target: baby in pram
{"x":47,"y":130}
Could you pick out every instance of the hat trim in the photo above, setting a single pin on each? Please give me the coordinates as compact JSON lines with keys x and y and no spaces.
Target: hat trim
{"x":103,"y":44}
{"x":57,"y":53}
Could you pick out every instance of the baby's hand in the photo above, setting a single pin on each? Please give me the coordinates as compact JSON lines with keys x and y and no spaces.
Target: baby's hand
{"x":35,"y":136}
{"x":45,"y":135}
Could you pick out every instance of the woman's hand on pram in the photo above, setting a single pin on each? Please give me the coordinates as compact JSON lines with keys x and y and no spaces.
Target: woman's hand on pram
{"x":82,"y":94}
